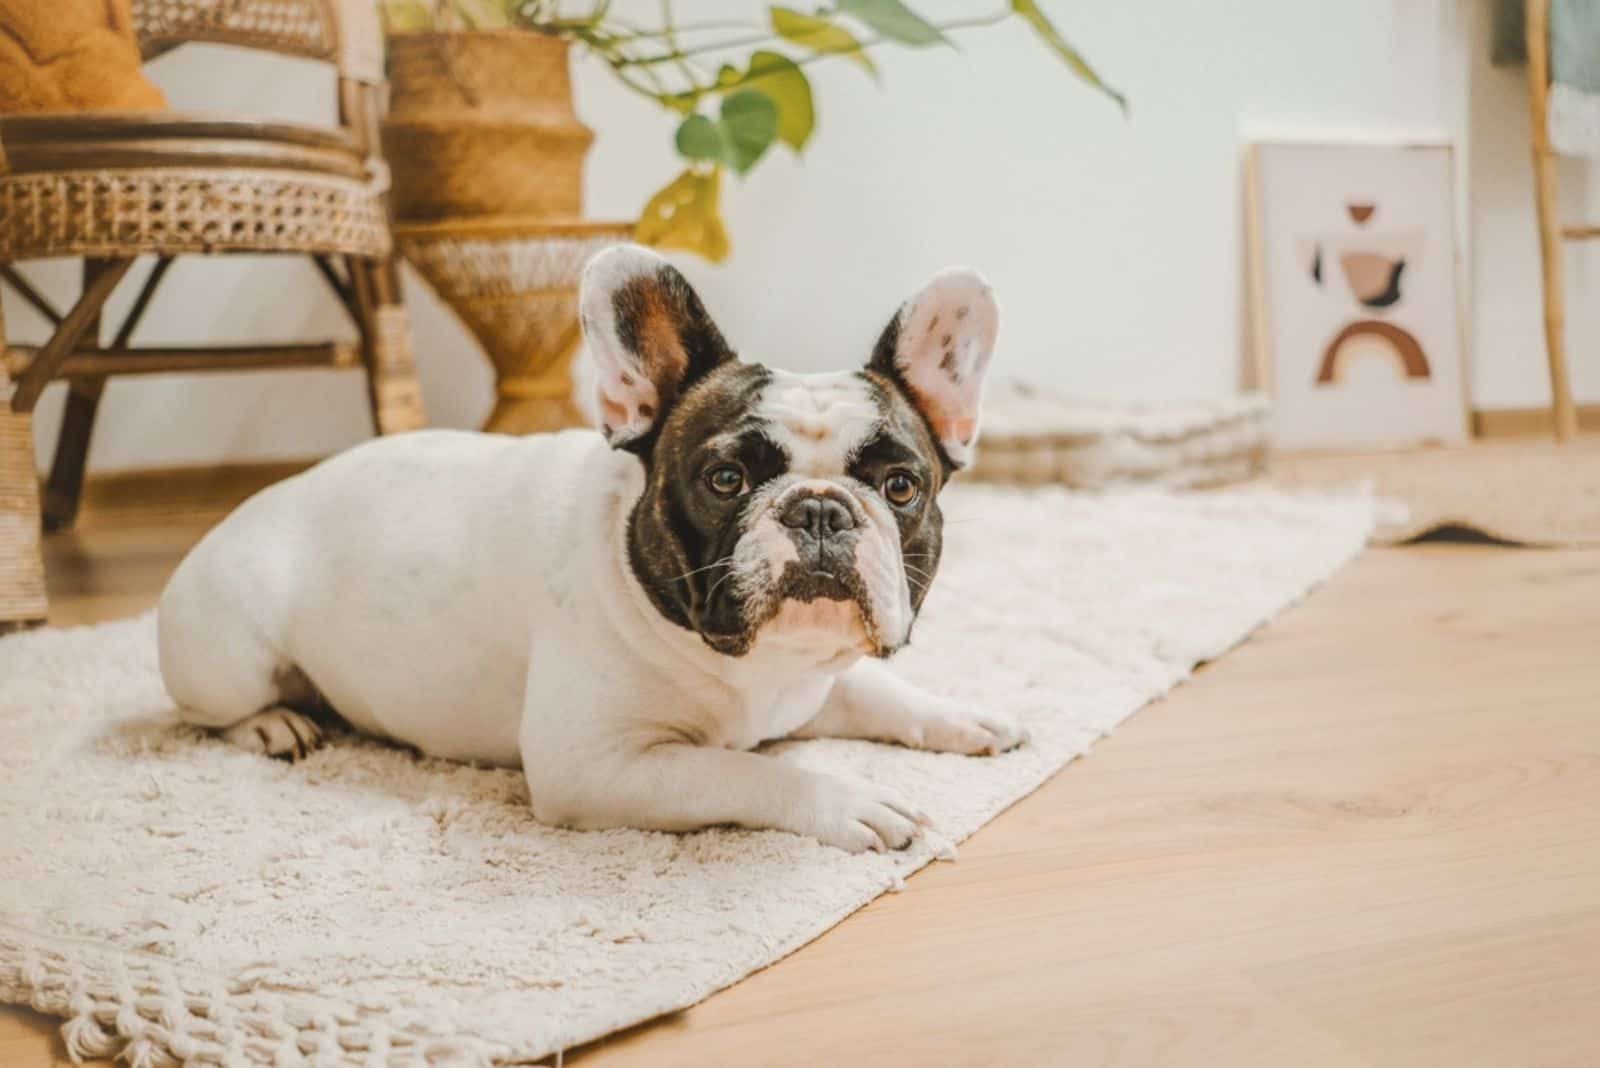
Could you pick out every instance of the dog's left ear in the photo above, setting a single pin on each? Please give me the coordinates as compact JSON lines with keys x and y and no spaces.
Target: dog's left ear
{"x":937,"y":348}
{"x":649,"y":338}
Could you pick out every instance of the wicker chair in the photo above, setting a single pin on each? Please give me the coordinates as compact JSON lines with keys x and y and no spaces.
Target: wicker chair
{"x":110,"y":187}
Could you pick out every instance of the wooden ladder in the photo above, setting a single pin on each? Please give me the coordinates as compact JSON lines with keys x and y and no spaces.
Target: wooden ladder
{"x":1551,"y":231}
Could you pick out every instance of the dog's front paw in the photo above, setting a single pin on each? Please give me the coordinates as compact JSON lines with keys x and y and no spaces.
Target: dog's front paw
{"x":277,"y":732}
{"x":857,"y":816}
{"x":969,"y":733}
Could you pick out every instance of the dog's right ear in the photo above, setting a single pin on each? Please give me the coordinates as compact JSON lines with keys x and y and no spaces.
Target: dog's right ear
{"x":648,"y":336}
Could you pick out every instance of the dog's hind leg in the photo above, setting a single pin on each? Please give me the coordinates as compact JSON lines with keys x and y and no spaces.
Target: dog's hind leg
{"x":278,"y":731}
{"x":224,"y":674}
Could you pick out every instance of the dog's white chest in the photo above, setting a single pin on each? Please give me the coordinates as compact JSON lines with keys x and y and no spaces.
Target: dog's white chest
{"x":767,"y":713}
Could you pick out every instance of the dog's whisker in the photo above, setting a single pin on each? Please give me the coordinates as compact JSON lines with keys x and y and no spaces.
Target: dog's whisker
{"x":712,"y":592}
{"x":726,"y":561}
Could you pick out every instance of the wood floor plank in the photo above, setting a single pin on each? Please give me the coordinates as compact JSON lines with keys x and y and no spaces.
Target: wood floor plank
{"x":1366,"y":837}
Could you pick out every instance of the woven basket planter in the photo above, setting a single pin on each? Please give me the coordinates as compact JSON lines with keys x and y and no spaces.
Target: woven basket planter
{"x":481,"y":123}
{"x":515,"y":286}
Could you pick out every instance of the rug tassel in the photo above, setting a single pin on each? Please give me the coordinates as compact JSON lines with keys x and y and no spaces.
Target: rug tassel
{"x":143,"y":1053}
{"x":85,"y":1038}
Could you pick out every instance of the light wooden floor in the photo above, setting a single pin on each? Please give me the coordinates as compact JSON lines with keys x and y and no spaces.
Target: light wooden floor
{"x":1371,"y":836}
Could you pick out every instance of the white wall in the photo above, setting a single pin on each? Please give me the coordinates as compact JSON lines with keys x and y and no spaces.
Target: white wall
{"x":1115,"y":244}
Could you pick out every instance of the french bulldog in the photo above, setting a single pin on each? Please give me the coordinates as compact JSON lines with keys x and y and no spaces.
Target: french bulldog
{"x":624,"y":614}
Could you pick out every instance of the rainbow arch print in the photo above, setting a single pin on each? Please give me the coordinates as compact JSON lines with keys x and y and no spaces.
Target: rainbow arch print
{"x":1407,"y":351}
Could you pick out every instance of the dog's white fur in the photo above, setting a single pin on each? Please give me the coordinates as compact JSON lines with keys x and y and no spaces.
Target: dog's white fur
{"x":470,"y":595}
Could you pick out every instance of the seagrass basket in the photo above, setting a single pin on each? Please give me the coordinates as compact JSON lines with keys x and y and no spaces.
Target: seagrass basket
{"x":481,"y":123}
{"x":514,"y":283}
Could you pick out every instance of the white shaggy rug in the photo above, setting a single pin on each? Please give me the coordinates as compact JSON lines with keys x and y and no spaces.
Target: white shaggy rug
{"x":177,"y":899}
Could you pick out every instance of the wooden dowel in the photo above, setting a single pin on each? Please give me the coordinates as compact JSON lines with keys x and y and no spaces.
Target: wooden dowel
{"x":1544,"y":173}
{"x":1579,"y":233}
{"x":89,"y":363}
{"x":44,"y":366}
{"x":30,"y":294}
{"x":141,"y":302}
{"x":340,"y":288}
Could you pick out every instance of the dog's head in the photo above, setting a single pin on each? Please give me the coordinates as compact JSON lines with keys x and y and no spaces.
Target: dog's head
{"x":797,"y":506}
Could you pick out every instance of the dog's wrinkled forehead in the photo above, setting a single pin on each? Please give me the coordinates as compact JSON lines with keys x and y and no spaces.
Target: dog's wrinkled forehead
{"x":819,"y":420}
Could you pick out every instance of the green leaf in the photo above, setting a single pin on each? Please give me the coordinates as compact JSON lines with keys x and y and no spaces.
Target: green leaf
{"x":685,"y":214}
{"x":819,"y":35}
{"x":405,"y":16}
{"x":749,"y":123}
{"x":699,"y":138}
{"x":1058,"y":44}
{"x":895,"y":21}
{"x":781,"y":79}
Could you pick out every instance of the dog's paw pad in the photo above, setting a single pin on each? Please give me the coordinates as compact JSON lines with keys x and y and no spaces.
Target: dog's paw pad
{"x":277,"y":732}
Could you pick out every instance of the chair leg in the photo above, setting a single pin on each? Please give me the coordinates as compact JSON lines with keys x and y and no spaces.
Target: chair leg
{"x":64,"y":487}
{"x":392,"y":386}
{"x":65,"y":484}
{"x":98,"y":285}
{"x":22,"y":590}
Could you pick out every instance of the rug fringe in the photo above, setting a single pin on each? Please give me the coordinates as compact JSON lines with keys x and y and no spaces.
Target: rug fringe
{"x":148,"y":1013}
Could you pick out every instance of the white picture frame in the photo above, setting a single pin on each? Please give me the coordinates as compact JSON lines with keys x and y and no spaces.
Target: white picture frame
{"x":1355,"y":282}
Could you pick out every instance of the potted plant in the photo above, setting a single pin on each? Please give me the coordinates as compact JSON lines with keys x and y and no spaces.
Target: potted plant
{"x":481,"y":119}
{"x":486,"y":152}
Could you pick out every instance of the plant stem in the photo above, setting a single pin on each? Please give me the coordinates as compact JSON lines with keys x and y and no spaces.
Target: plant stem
{"x":612,"y":48}
{"x":692,"y":27}
{"x":700,"y":50}
{"x":605,"y":49}
{"x":677,"y":54}
{"x":685,"y":65}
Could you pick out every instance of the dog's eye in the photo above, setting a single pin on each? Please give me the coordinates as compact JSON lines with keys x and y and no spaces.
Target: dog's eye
{"x":900,"y":488}
{"x":726,"y":480}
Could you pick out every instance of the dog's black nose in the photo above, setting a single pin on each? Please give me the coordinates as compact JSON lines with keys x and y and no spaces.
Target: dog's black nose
{"x":818,"y":514}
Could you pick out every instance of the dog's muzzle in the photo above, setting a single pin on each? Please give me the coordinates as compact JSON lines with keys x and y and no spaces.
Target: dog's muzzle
{"x":825,"y":527}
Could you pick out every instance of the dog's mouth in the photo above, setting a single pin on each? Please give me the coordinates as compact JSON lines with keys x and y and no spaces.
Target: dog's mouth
{"x":826,"y":598}
{"x":816,"y":599}
{"x":819,"y":584}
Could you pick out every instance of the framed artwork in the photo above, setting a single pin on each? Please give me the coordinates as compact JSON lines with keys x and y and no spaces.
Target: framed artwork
{"x":1354,"y":274}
